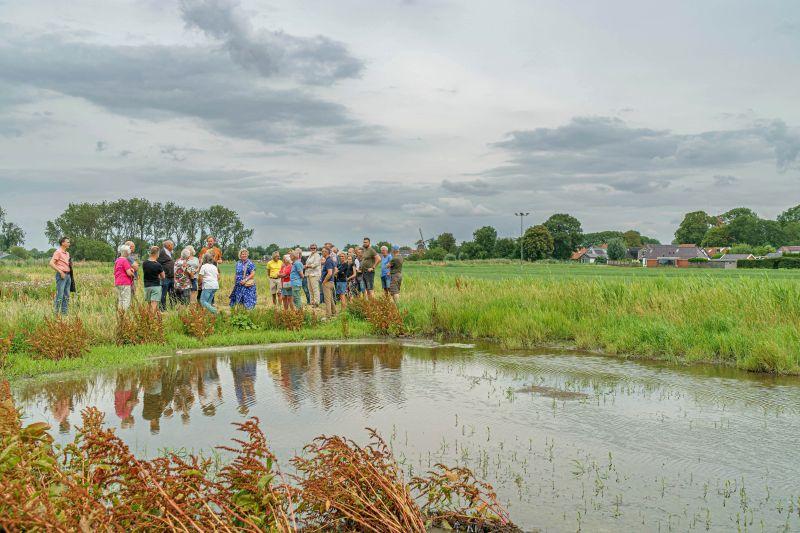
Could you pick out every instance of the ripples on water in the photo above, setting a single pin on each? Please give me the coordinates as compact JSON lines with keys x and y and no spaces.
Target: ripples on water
{"x":569,"y":440}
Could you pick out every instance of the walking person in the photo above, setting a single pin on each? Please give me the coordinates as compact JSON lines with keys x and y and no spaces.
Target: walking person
{"x":209,"y":280}
{"x":286,"y":282}
{"x":344,"y":273}
{"x":296,"y":279}
{"x":396,"y":276}
{"x":313,"y":271}
{"x":168,"y":282}
{"x":244,"y":289}
{"x":385,"y":275}
{"x":153,"y":274}
{"x":273,"y":273}
{"x":184,"y":276}
{"x":368,"y":264}
{"x":61,"y":263}
{"x":123,"y":277}
{"x":328,"y":273}
{"x":133,"y":259}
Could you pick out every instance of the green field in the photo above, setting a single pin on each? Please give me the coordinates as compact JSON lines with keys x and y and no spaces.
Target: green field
{"x":744,"y":318}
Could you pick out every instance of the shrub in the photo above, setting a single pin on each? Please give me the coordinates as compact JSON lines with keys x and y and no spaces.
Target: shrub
{"x":5,"y":348}
{"x":291,"y":319}
{"x":450,"y":257}
{"x":198,"y":321}
{"x":357,"y":308}
{"x":385,"y":318}
{"x":139,"y":325}
{"x":59,"y":338}
{"x":241,"y":320}
{"x":698,"y":260}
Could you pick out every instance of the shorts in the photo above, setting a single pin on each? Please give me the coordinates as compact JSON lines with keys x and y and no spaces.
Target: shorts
{"x":341,"y":288}
{"x":286,"y":290}
{"x":369,"y":280}
{"x":394,"y":284}
{"x":274,"y":285}
{"x":152,"y":294}
{"x":385,"y":281}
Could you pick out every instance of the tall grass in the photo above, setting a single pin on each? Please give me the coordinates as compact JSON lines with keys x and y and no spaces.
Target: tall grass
{"x":748,"y":319}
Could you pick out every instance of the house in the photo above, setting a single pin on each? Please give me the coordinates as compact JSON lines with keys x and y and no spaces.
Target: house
{"x":789,"y":249}
{"x":590,"y":255}
{"x":676,"y":255}
{"x":774,"y":255}
{"x":718,"y":250}
{"x":731,"y":260}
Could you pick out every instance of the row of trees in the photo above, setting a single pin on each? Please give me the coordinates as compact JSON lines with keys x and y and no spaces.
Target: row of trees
{"x":556,"y":238}
{"x":739,"y":226}
{"x":97,"y":228}
{"x":11,"y":235}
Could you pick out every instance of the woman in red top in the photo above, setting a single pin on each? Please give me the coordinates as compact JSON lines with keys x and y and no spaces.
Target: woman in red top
{"x":286,"y":287}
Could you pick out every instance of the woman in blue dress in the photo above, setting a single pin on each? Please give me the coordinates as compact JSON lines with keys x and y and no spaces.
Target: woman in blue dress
{"x":244,"y":290}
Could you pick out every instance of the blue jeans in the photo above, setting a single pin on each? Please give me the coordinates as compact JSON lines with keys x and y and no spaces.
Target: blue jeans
{"x":206,"y":299}
{"x":305,"y":289}
{"x":62,"y":294}
{"x":167,"y":289}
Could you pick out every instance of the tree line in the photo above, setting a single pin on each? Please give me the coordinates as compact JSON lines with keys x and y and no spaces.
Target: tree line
{"x":740,"y":226}
{"x":96,"y":229}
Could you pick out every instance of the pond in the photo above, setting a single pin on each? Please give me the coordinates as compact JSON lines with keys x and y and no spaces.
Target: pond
{"x":569,"y":440}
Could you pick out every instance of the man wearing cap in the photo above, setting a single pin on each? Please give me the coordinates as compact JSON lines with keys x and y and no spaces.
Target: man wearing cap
{"x":396,"y":273}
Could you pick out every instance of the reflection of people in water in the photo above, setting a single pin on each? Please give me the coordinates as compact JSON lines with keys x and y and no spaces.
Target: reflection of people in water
{"x":152,"y":404}
{"x":125,"y":399}
{"x":60,"y":409}
{"x":244,"y":381}
{"x":209,"y":390}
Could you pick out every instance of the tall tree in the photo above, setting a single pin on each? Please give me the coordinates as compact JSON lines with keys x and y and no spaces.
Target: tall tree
{"x":10,"y":233}
{"x":506,"y":248}
{"x":446,"y":241}
{"x":717,"y":236}
{"x":617,"y":249}
{"x":632,"y":238}
{"x":566,"y":232}
{"x":693,"y":227}
{"x":790,"y":215}
{"x":486,"y":237}
{"x":537,"y":243}
{"x":599,"y":237}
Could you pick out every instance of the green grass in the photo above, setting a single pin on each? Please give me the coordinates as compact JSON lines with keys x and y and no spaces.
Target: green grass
{"x":743,"y":318}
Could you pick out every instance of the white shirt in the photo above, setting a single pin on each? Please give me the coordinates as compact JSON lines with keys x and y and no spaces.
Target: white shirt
{"x":314,"y":265}
{"x":210,"y":276}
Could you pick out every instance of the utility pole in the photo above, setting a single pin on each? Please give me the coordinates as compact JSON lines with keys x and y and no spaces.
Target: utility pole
{"x":521,"y":216}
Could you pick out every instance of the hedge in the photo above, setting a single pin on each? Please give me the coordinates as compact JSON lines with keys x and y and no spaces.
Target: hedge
{"x":774,"y":262}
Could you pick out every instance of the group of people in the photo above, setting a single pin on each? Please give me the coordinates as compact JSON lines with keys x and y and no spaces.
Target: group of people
{"x":323,"y":275}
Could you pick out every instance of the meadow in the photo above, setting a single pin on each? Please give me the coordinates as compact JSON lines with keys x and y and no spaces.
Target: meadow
{"x":749,"y":319}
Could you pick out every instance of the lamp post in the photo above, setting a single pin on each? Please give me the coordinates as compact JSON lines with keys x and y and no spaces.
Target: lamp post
{"x":521,"y":216}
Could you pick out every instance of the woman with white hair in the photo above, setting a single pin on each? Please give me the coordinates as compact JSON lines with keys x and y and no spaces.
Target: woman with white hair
{"x":123,"y":277}
{"x":286,"y":282}
{"x":184,"y":273}
{"x":244,"y":288}
{"x":194,"y":267}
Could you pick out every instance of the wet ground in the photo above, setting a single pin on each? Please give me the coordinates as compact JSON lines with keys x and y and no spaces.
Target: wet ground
{"x":570,"y":441}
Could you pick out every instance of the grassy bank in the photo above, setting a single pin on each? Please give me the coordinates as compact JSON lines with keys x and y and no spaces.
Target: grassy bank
{"x":744,"y":318}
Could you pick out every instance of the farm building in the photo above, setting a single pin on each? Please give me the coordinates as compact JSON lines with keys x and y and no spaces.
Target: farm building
{"x":676,"y":255}
{"x":590,"y":255}
{"x":731,"y":260}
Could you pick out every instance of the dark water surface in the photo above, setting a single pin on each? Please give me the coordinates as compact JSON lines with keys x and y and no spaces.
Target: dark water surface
{"x":570,"y":441}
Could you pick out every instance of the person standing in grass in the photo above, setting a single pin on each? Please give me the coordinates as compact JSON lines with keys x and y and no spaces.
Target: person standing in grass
{"x":244,"y":289}
{"x":153,"y":275}
{"x":296,"y":279}
{"x":328,"y":272}
{"x":313,"y":271}
{"x":385,"y":277}
{"x":286,"y":282}
{"x":368,"y":264}
{"x":123,"y":277}
{"x":212,"y":248}
{"x":193,"y":268}
{"x":183,"y":277}
{"x":133,"y":259}
{"x":344,"y":274}
{"x":209,"y":280}
{"x":396,"y":276}
{"x":168,"y":281}
{"x":60,"y":262}
{"x":273,"y":273}
{"x":359,"y":272}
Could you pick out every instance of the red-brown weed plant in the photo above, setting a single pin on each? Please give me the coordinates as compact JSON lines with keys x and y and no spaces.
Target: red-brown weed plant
{"x":291,"y":319}
{"x":198,"y":321}
{"x":59,"y":338}
{"x":384,"y":316}
{"x":139,"y":325}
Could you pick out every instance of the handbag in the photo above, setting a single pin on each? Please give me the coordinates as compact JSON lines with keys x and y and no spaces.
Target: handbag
{"x":250,"y":282}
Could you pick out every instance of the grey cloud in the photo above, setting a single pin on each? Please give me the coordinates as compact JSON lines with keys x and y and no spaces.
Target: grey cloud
{"x":313,"y":60}
{"x":160,"y":82}
{"x":101,"y":146}
{"x":476,"y":187}
{"x":724,"y":180}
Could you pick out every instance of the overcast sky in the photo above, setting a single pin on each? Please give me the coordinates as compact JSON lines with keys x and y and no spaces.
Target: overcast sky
{"x":330,"y":120}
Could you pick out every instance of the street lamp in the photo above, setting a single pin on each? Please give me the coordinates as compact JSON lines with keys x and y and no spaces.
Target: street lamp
{"x":521,"y":217}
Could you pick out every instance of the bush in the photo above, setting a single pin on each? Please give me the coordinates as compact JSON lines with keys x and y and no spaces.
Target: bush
{"x":59,"y":338}
{"x":773,"y":262}
{"x":357,"y":308}
{"x":20,"y":252}
{"x":241,"y":320}
{"x":435,"y":254}
{"x":698,"y":260}
{"x":198,"y":321}
{"x":91,"y":250}
{"x":139,"y":325}
{"x":450,"y":257}
{"x":5,"y":348}
{"x":383,"y":315}
{"x":291,"y":319}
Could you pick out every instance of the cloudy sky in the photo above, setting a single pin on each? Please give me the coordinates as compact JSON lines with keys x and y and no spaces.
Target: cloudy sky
{"x":321,"y":120}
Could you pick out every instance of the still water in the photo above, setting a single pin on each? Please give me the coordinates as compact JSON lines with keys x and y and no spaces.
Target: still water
{"x":570,"y":441}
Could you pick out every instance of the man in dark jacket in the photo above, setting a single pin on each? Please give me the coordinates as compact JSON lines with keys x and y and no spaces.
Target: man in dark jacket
{"x":168,"y":283}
